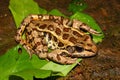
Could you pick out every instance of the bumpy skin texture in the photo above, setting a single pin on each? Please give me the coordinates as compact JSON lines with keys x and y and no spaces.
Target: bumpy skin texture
{"x":65,"y":37}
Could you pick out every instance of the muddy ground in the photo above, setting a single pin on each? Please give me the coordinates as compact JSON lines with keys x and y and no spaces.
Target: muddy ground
{"x":104,"y":66}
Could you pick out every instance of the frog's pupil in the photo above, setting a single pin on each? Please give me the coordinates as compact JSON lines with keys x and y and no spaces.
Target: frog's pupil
{"x":79,"y":49}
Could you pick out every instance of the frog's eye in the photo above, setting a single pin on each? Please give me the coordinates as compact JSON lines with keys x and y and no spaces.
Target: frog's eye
{"x":79,"y":49}
{"x":70,"y":49}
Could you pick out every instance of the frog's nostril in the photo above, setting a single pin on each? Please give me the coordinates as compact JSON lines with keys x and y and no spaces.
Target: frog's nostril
{"x":79,"y":49}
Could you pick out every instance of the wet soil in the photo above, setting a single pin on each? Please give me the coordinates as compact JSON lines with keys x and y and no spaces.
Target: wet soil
{"x":104,"y":66}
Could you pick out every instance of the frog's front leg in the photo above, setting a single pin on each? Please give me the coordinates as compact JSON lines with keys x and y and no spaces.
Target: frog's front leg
{"x":60,"y":56}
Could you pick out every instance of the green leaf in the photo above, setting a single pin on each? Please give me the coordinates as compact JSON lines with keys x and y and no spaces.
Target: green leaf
{"x":56,"y":13}
{"x":22,"y":8}
{"x":19,"y":63}
{"x":90,"y":22}
{"x":77,"y":6}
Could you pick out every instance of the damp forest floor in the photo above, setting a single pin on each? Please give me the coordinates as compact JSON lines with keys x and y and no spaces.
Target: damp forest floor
{"x":104,"y":66}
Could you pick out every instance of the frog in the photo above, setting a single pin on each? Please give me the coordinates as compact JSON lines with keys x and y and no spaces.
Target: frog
{"x":56,"y":38}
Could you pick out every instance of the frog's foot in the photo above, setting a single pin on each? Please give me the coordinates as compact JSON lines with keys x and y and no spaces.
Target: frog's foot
{"x":60,"y":56}
{"x":43,"y":55}
{"x":82,"y":26}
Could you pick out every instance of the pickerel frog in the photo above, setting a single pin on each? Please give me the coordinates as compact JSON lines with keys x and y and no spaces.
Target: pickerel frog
{"x":67,"y":39}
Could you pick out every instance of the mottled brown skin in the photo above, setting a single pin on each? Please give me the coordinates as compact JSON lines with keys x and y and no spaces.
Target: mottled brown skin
{"x":62,"y":35}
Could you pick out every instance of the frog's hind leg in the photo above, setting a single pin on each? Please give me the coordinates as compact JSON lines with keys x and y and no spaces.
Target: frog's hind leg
{"x":60,"y":56}
{"x":83,"y":27}
{"x":19,"y":36}
{"x":29,"y":50}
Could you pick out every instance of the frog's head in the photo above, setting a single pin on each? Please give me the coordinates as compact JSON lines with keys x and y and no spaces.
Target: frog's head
{"x":82,"y":51}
